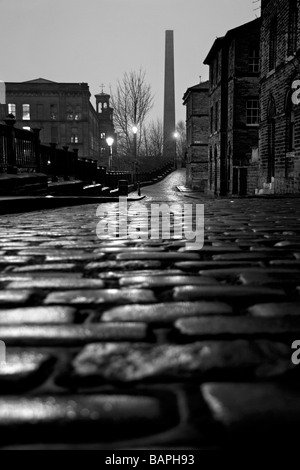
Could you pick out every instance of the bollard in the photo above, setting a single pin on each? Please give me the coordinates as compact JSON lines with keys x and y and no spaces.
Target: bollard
{"x":139,"y":188}
{"x":123,"y":187}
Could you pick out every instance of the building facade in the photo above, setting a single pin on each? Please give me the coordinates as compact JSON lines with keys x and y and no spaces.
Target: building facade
{"x":64,"y":114}
{"x":279,"y":150}
{"x":196,"y":101}
{"x":233,"y":109}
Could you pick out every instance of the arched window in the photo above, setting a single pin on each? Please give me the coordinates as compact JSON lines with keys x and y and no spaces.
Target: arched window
{"x":228,"y":166}
{"x":290,"y":122}
{"x":210,"y":168}
{"x":271,"y":138}
{"x":216,"y":168}
{"x":293,"y":27}
{"x":70,"y":113}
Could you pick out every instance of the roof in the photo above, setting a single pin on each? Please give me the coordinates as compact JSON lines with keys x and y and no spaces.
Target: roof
{"x":39,"y":80}
{"x":231,"y":33}
{"x":204,"y":86}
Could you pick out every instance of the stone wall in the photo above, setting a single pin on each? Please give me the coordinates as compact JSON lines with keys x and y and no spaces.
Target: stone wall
{"x":276,"y":90}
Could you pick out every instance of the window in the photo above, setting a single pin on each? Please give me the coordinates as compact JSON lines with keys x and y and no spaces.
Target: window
{"x":54,"y":135}
{"x":271,"y":138}
{"x":290,"y":123}
{"x":293,"y":27}
{"x":102,"y":135}
{"x":252,"y":113}
{"x":273,"y":44}
{"x":26,"y":128}
{"x":26,"y":112}
{"x":77,"y":115}
{"x":53,"y":112}
{"x":217,"y":68}
{"x":291,"y":141}
{"x":105,"y":105}
{"x":253,"y":60}
{"x":40,"y":111}
{"x":69,"y":113}
{"x":217,"y":116}
{"x":12,"y":109}
{"x":74,"y":136}
{"x":212,"y":69}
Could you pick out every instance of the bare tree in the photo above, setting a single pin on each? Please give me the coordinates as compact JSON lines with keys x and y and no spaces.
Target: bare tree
{"x":154,"y":139}
{"x":181,"y":141}
{"x":132,"y":102}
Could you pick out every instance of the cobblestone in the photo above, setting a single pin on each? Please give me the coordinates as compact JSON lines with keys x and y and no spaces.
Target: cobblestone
{"x":24,"y":370}
{"x":241,"y":294}
{"x":165,"y":312}
{"x":150,"y":282}
{"x":275,"y":310}
{"x":34,"y":315}
{"x":57,"y":283}
{"x":96,"y":297}
{"x":198,"y":361}
{"x":74,"y":418}
{"x":15,"y":297}
{"x":255,"y":412}
{"x":71,"y":335}
{"x":115,"y":343}
{"x":125,"y":265}
{"x":244,"y":326}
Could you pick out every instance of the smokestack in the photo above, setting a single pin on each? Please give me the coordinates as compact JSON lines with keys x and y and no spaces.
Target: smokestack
{"x":169,"y":149}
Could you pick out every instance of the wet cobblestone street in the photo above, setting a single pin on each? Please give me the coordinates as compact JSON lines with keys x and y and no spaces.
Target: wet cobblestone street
{"x":115,"y":344}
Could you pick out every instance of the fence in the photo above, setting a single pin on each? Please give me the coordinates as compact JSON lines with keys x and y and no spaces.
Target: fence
{"x":21,"y":149}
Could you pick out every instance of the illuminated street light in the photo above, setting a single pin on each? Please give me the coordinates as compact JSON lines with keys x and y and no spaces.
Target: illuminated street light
{"x":176,"y":136}
{"x":134,"y":131}
{"x":110,"y":142}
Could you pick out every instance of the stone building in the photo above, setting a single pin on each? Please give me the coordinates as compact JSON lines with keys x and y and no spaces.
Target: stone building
{"x":233,"y":109}
{"x":279,"y":149}
{"x":197,"y":126}
{"x":64,"y":114}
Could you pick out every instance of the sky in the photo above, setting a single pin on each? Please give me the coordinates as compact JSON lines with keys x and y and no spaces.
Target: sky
{"x":97,"y":41}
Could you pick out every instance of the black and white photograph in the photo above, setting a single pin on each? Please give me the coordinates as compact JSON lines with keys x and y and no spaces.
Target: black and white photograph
{"x":149,"y":228}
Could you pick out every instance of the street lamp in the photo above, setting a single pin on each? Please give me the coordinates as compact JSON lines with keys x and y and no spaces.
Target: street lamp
{"x":110,"y":142}
{"x":176,"y":136}
{"x":134,"y":131}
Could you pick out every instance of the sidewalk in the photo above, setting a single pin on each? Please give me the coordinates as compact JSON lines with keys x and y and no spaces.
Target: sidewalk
{"x":115,"y":344}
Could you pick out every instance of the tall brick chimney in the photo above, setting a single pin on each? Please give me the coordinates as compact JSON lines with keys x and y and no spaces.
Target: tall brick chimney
{"x":169,"y":148}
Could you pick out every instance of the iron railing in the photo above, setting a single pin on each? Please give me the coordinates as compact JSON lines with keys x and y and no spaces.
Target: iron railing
{"x":21,"y":149}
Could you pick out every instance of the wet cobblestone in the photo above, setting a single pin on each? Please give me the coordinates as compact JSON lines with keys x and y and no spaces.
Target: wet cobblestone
{"x":150,"y":343}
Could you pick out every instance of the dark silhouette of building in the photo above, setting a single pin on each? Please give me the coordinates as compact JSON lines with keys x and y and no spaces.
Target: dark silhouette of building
{"x":105,"y":118}
{"x":64,"y":114}
{"x":279,"y":149}
{"x":233,"y":108}
{"x":196,"y":101}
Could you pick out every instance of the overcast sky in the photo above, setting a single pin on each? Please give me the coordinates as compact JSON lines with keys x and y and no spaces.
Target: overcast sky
{"x":96,"y":41}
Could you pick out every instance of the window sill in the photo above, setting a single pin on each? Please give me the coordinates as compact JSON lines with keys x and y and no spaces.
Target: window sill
{"x":290,"y":58}
{"x":269,"y":74}
{"x":291,"y":154}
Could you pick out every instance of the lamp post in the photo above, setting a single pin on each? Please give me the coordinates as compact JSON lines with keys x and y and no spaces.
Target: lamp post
{"x":176,"y":137}
{"x":134,"y":131}
{"x":110,"y":142}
